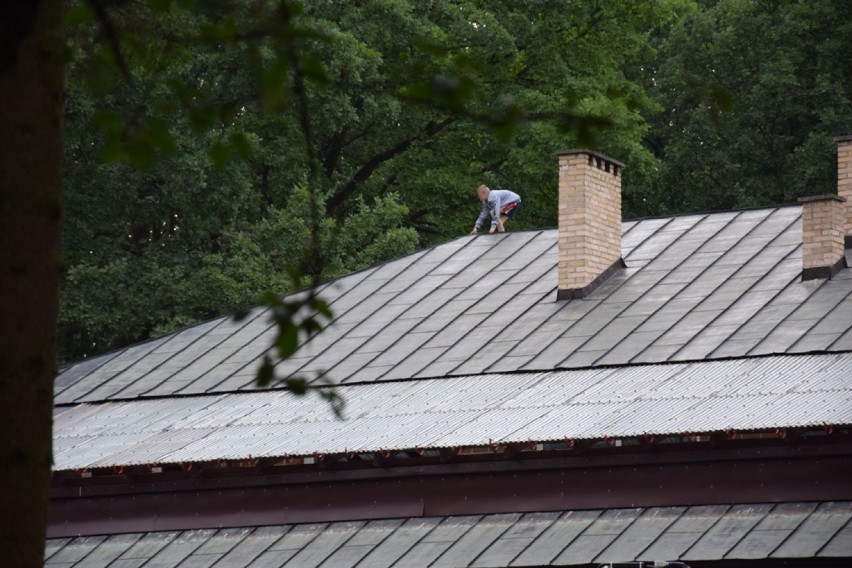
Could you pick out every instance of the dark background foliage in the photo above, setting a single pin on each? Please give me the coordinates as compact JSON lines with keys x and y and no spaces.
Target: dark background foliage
{"x":411,"y":105}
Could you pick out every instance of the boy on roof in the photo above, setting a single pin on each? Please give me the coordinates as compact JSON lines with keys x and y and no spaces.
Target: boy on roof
{"x":501,"y":204}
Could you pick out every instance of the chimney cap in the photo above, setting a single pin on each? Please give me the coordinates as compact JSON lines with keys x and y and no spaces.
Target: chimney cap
{"x":825,"y":197}
{"x":847,"y":138}
{"x":590,"y":152}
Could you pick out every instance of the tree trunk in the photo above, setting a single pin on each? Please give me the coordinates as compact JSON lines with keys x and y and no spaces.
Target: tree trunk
{"x":31,"y":82}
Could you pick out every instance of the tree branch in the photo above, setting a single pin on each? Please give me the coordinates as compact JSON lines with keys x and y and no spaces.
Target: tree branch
{"x":370,"y":166}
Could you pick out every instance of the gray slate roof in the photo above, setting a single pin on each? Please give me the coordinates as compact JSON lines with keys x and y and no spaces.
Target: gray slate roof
{"x":569,"y":538}
{"x":696,"y":287}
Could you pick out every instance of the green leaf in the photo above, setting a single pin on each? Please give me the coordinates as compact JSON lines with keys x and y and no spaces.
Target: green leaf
{"x":219,"y":154}
{"x":322,"y":307}
{"x":270,"y":298}
{"x":271,"y":81}
{"x":288,"y":340}
{"x":295,"y":275}
{"x":240,"y":142}
{"x":721,"y":97}
{"x":228,"y":114}
{"x":100,"y":75}
{"x":110,"y":123}
{"x":429,"y":46}
{"x":202,"y":119}
{"x":140,"y":152}
{"x":160,"y":6}
{"x":112,"y":152}
{"x":225,"y":29}
{"x":266,"y":373}
{"x":310,"y":326}
{"x":79,"y":14}
{"x":315,"y":70}
{"x":336,"y":401}
{"x":161,"y":137}
{"x":297,"y":386}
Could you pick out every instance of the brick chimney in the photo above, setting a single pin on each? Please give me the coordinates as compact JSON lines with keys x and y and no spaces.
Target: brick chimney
{"x":589,"y":221}
{"x":827,"y":221}
{"x":844,"y":181}
{"x":823,"y":221}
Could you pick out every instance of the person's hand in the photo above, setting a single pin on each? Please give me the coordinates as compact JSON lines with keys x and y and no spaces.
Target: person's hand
{"x":474,"y":231}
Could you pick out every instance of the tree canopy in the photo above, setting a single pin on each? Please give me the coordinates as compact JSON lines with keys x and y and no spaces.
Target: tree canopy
{"x":410,"y":106}
{"x":187,"y":181}
{"x":752,"y":95}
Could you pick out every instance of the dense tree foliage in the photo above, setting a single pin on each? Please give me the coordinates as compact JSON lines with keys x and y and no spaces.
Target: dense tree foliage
{"x":753,"y":94}
{"x":410,"y":106}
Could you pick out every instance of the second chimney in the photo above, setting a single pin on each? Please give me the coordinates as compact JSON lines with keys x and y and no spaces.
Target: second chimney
{"x":827,"y":221}
{"x":844,"y":181}
{"x":589,"y":221}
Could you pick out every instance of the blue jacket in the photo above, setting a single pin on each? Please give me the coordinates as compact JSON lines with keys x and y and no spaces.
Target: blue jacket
{"x":497,"y":199}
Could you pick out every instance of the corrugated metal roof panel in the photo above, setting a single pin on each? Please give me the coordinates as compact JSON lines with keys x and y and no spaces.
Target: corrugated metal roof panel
{"x":672,"y":416}
{"x":752,"y":394}
{"x":557,"y":388}
{"x":85,"y":453}
{"x":571,"y":421}
{"x":425,"y":431}
{"x":154,"y":448}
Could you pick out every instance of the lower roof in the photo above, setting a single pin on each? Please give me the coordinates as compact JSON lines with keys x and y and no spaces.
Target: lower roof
{"x":753,"y":394}
{"x":792,"y":530}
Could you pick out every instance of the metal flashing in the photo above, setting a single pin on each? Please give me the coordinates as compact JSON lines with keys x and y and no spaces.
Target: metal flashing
{"x":579,"y":293}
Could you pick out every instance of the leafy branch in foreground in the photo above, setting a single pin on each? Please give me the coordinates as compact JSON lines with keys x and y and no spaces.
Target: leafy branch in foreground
{"x":298,"y":317}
